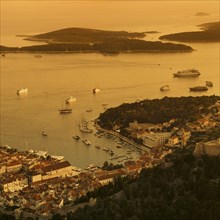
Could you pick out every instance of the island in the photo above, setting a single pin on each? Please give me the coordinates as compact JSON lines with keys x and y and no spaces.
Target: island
{"x":209,"y":33}
{"x":83,"y":40}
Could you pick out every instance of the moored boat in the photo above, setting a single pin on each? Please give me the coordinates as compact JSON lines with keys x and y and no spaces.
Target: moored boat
{"x":83,"y":126}
{"x":187,"y":73}
{"x":165,"y":88}
{"x":65,"y":110}
{"x":209,"y":83}
{"x":76,"y":137}
{"x":198,"y":89}
{"x":44,"y":133}
{"x":86,"y":141}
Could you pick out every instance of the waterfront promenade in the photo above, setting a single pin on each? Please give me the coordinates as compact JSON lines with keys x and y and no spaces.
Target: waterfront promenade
{"x":125,"y":139}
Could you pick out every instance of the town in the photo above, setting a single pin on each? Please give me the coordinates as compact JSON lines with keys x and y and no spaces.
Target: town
{"x":36,"y":184}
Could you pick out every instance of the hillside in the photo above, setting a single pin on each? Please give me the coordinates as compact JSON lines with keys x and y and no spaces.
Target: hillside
{"x":209,"y":33}
{"x":83,"y":35}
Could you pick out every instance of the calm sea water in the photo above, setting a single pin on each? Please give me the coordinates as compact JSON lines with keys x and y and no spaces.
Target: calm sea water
{"x":123,"y":78}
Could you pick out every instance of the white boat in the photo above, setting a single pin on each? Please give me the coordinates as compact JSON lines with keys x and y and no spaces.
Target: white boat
{"x":88,"y":110}
{"x":44,"y":133}
{"x":22,"y":91}
{"x":86,"y":141}
{"x":209,"y":83}
{"x":70,"y":99}
{"x":57,"y":157}
{"x":76,"y":137}
{"x":65,"y":110}
{"x":96,"y":90}
{"x":165,"y":88}
{"x":83,"y":126}
{"x":187,"y":73}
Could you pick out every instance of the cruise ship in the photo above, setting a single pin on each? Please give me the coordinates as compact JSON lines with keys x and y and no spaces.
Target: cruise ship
{"x":22,"y":90}
{"x":187,"y":73}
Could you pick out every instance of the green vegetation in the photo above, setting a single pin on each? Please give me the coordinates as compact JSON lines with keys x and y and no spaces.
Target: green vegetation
{"x":111,"y":166}
{"x":111,"y":47}
{"x":210,"y":33}
{"x":89,"y":40}
{"x":157,"y":111}
{"x":187,"y":190}
{"x":83,"y":35}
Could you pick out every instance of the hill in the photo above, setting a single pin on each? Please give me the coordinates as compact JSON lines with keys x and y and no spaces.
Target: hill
{"x":209,"y":33}
{"x":83,"y":35}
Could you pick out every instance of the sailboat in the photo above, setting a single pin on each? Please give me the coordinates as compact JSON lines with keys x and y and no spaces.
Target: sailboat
{"x":65,"y":110}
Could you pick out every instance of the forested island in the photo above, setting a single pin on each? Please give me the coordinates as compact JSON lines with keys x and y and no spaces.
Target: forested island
{"x":209,"y":33}
{"x":183,"y":109}
{"x":89,"y":40}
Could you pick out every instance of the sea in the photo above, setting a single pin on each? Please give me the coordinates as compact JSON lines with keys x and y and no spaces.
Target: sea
{"x":123,"y":78}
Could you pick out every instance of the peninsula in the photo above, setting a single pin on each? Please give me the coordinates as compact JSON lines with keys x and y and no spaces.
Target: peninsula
{"x":99,"y":41}
{"x":209,"y":33}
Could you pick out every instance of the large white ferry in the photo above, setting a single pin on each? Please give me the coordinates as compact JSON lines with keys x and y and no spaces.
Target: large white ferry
{"x":187,"y":73}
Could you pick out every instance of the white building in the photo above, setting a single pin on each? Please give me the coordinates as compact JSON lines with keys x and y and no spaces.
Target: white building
{"x":14,"y":184}
{"x":155,"y":139}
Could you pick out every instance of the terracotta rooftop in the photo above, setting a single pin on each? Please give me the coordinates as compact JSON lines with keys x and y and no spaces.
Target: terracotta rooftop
{"x":56,"y":166}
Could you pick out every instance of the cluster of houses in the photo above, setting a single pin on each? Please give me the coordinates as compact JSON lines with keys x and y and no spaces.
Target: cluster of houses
{"x":39,"y":186}
{"x":35,"y":185}
{"x":153,"y":135}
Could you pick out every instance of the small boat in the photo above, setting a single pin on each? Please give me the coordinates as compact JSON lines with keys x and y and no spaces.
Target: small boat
{"x":70,"y":99}
{"x":119,"y":146}
{"x":3,"y":55}
{"x":22,"y":91}
{"x":44,"y":133}
{"x":57,"y":157}
{"x":76,"y":137}
{"x":111,"y":152}
{"x":38,"y":56}
{"x":97,"y":146}
{"x":165,"y":88}
{"x":86,"y":141}
{"x":105,"y":149}
{"x":96,"y":90}
{"x":83,"y":126}
{"x":198,"y":89}
{"x":187,"y":73}
{"x":65,"y":110}
{"x":209,"y":83}
{"x":88,"y":110}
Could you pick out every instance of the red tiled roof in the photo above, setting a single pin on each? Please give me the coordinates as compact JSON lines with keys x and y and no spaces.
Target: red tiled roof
{"x":56,"y":166}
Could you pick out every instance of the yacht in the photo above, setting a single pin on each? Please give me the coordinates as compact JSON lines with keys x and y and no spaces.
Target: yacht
{"x":165,"y":88}
{"x":86,"y":141}
{"x":70,"y":99}
{"x":76,"y":137}
{"x":44,"y":133}
{"x":88,"y":110}
{"x":209,"y":83}
{"x":22,"y":91}
{"x":83,"y":126}
{"x":198,"y":89}
{"x":65,"y":110}
{"x":187,"y":73}
{"x":97,"y":146}
{"x":96,"y":90}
